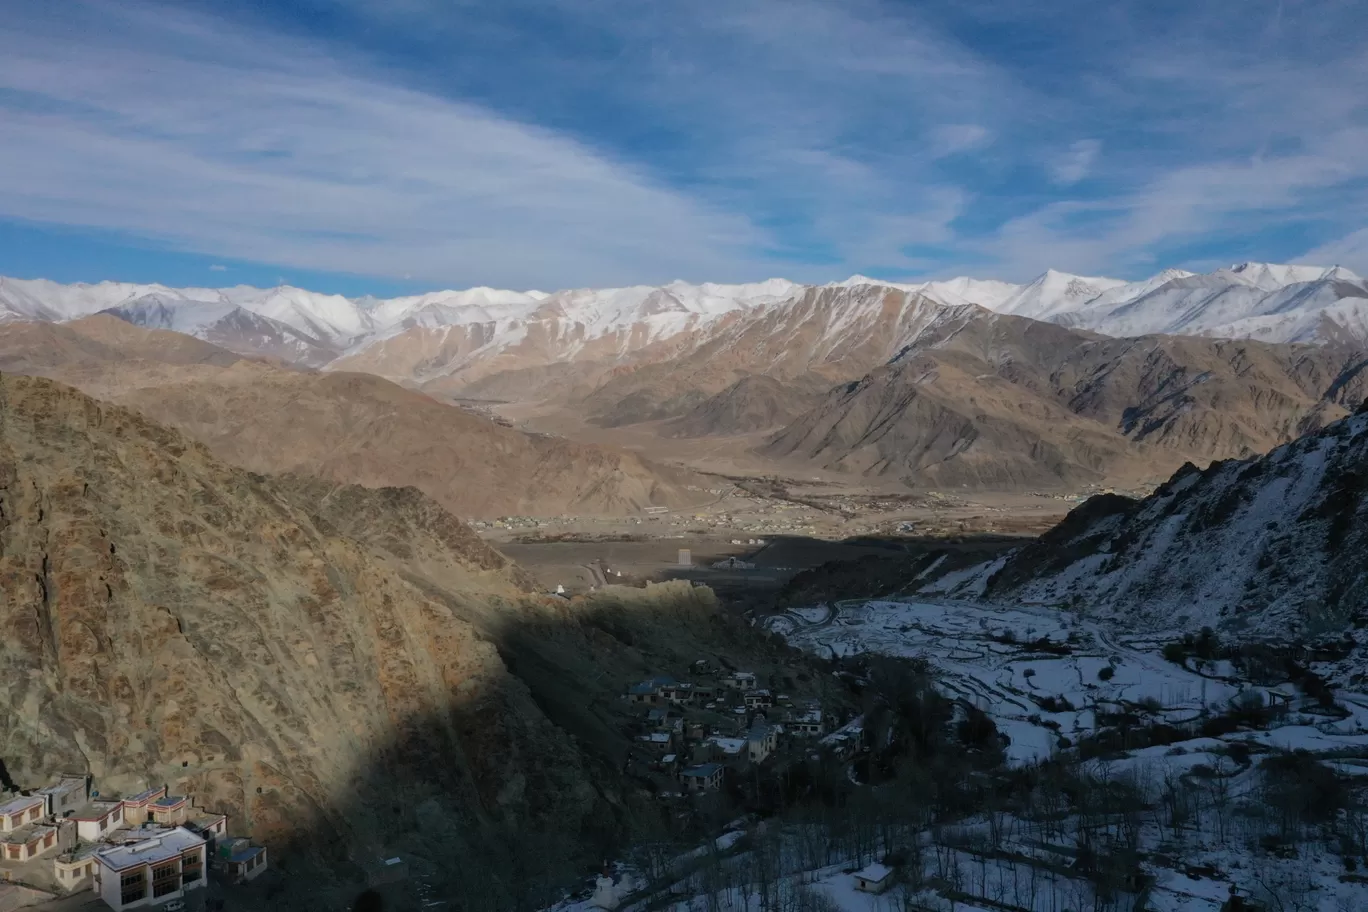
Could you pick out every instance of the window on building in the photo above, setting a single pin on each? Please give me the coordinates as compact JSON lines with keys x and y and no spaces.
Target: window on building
{"x":161,"y":872}
{"x":190,"y":875}
{"x":133,"y":879}
{"x":161,"y":888}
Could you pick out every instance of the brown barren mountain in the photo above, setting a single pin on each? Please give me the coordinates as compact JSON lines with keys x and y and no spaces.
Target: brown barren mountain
{"x":756,"y":402}
{"x":170,"y":618}
{"x":1002,"y":401}
{"x":348,"y":427}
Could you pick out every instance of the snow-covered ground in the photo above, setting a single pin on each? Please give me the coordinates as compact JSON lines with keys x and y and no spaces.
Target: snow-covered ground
{"x":1008,"y":662}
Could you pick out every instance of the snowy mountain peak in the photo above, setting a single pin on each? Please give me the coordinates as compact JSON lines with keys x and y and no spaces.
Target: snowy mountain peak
{"x":1272,"y":276}
{"x":1256,"y":300}
{"x":857,"y":280}
{"x":1055,"y":292}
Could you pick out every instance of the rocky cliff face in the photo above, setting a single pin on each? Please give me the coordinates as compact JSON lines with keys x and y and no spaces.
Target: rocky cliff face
{"x":169,"y":618}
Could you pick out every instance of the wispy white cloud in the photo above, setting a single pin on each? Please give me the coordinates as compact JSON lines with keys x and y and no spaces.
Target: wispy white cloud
{"x":1350,"y":251}
{"x":1074,"y":165}
{"x":218,"y":267}
{"x":238,"y":143}
{"x":597,"y":142}
{"x":951,"y":139}
{"x":1122,"y":233}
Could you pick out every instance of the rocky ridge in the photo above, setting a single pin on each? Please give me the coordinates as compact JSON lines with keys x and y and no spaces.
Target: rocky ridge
{"x":1266,"y":547}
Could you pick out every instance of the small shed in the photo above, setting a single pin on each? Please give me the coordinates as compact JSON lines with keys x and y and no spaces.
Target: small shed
{"x":247,"y":862}
{"x":874,"y":878}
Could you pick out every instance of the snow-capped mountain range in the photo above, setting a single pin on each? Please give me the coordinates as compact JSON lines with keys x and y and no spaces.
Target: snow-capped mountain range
{"x":1271,"y":303}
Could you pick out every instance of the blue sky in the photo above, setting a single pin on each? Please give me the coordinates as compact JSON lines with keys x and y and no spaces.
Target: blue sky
{"x":380,"y":147}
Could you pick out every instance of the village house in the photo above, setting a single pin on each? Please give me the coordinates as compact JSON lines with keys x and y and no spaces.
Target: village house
{"x":704,"y":777}
{"x":658,"y":717}
{"x":97,"y":819}
{"x":243,"y":861}
{"x":136,"y":808}
{"x":677,"y":693}
{"x":170,"y":810}
{"x":210,"y":827}
{"x":27,"y":842}
{"x":739,"y":680}
{"x":75,"y":870}
{"x":805,"y":723}
{"x":695,"y":731}
{"x":759,"y":699}
{"x":873,"y":878}
{"x":67,"y":794}
{"x":727,"y":750}
{"x":658,"y":743}
{"x":649,"y":691}
{"x":761,"y":742}
{"x":153,"y":871}
{"x":18,"y":812}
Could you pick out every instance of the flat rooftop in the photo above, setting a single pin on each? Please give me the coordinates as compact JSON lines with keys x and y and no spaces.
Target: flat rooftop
{"x":246,"y":854}
{"x":79,"y":854}
{"x":164,"y":847}
{"x":137,"y":834}
{"x":144,"y":796}
{"x":15,"y":805}
{"x":26,"y":834}
{"x":95,"y":810}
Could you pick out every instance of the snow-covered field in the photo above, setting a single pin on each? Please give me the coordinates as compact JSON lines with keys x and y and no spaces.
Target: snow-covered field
{"x":1040,"y":673}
